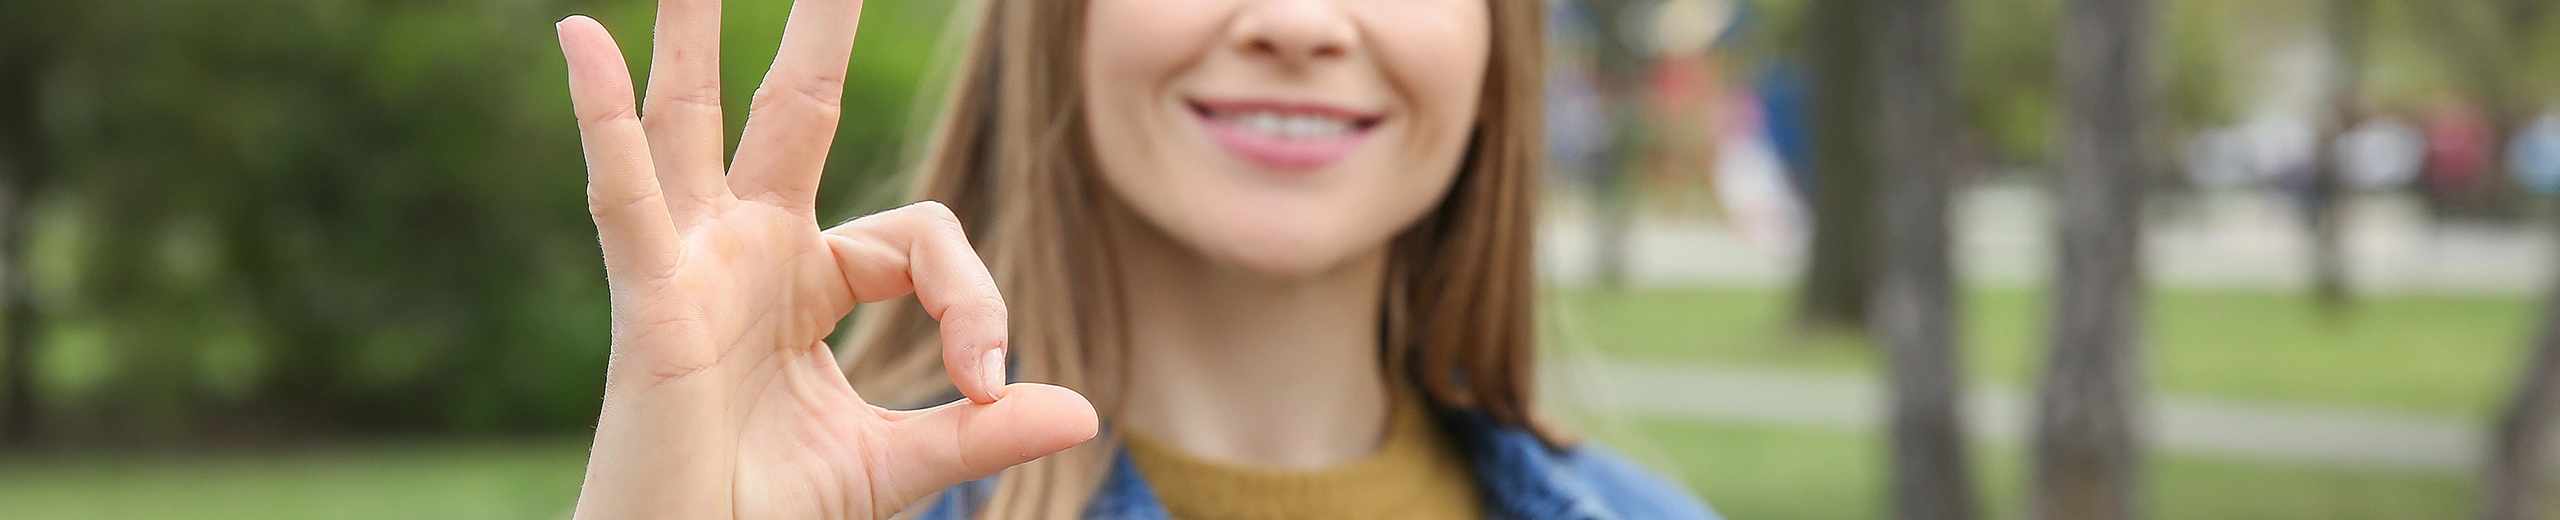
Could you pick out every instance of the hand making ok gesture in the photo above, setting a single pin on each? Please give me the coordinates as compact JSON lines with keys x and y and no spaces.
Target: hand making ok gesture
{"x":721,"y":401}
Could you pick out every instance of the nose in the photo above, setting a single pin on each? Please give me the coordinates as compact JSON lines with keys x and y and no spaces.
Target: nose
{"x":1295,"y":32}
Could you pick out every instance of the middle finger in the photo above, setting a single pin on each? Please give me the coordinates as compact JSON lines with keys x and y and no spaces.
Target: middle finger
{"x":683,"y":108}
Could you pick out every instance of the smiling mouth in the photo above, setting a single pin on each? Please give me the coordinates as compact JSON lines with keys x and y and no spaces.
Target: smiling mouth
{"x":1290,"y":137}
{"x":1285,"y":120}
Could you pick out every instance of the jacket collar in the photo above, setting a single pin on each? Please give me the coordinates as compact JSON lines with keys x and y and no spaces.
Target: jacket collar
{"x":1521,"y":478}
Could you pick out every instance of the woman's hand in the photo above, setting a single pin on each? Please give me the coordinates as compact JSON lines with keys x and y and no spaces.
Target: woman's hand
{"x":720,"y":400}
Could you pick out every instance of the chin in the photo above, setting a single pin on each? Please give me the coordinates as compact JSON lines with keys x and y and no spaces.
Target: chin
{"x":1275,"y":251}
{"x":1277,"y":263}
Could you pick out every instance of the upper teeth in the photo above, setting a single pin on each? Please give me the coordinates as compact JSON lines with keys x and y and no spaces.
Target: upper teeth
{"x":1292,"y":126}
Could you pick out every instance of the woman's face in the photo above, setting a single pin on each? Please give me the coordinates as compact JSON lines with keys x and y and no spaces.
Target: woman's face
{"x":1284,"y":136}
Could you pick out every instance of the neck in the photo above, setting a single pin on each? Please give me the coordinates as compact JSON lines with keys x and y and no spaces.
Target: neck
{"x":1244,"y":367}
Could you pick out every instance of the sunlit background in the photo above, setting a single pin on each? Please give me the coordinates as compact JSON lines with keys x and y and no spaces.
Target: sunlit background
{"x":329,"y":258}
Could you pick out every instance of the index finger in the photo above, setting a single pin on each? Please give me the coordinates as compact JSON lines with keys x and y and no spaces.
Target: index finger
{"x":622,"y":191}
{"x":921,"y":249}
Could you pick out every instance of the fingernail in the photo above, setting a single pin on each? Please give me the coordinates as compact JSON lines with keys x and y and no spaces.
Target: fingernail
{"x":991,"y":367}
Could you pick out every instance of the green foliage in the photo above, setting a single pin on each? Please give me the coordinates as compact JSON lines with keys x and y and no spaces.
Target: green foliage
{"x":2503,"y":53}
{"x":2196,"y":67}
{"x":2007,"y":86}
{"x":351,"y":215}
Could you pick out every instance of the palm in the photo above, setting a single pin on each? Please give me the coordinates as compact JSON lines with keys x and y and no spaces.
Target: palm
{"x":752,"y":275}
{"x":764,"y":281}
{"x":721,"y":399}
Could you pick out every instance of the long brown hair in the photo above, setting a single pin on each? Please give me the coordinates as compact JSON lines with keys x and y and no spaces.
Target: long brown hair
{"x":1010,"y":154}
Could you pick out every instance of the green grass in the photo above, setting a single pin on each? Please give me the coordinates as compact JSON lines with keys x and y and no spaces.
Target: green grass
{"x":2438,"y":354}
{"x":1761,"y":473}
{"x":497,"y":480}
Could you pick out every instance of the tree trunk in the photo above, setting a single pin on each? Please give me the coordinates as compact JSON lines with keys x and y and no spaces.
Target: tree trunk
{"x":2086,"y":448}
{"x":2514,"y":476}
{"x":2328,"y":190}
{"x":17,"y":420}
{"x":2512,"y":482}
{"x":1840,"y":270}
{"x":1915,"y":303}
{"x":20,"y":167}
{"x":1621,"y":81}
{"x":1614,"y":199}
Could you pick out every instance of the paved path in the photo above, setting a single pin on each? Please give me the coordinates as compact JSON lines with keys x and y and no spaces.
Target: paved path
{"x":2225,"y":429}
{"x":2004,"y":237}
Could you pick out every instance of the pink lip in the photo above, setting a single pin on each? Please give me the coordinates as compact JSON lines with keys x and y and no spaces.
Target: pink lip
{"x":1279,"y":153}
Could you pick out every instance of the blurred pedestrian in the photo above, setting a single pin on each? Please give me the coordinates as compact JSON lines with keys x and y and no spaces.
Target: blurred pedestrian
{"x":1577,"y":115}
{"x":2533,"y":157}
{"x":2457,"y":165}
{"x":2381,"y":154}
{"x":1685,"y":90}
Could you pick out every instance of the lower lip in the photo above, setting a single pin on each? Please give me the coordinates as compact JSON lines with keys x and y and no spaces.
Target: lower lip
{"x":1283,"y":153}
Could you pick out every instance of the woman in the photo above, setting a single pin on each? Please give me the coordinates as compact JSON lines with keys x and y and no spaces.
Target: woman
{"x":1282,"y":246}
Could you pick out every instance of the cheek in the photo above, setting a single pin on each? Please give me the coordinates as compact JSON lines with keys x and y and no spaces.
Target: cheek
{"x":1132,"y":49}
{"x":1435,"y":53}
{"x":1132,"y":52}
{"x":1132,"y":40}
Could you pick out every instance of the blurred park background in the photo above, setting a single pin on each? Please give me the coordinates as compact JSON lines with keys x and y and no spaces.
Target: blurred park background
{"x":329,"y":259}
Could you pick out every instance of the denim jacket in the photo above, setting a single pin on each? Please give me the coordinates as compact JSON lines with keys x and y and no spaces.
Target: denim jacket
{"x":1521,"y":478}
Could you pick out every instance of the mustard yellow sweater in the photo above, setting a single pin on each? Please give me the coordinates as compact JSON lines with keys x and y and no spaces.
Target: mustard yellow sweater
{"x":1417,"y":473}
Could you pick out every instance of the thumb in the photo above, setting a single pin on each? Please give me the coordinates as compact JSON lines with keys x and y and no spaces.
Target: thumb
{"x":939,"y":447}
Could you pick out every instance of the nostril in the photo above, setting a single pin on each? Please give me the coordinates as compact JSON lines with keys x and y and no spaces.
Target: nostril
{"x":1275,"y":48}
